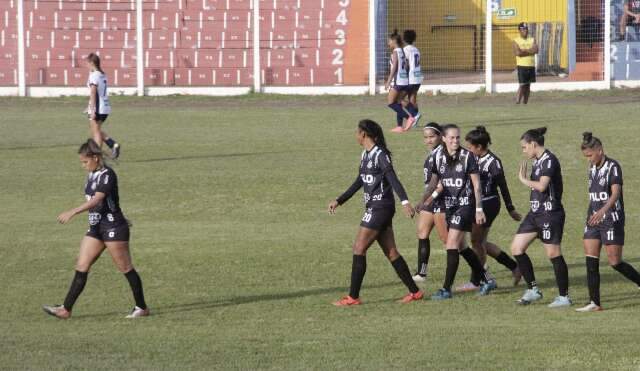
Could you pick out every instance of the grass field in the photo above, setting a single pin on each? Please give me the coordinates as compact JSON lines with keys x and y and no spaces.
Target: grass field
{"x":240,"y":260}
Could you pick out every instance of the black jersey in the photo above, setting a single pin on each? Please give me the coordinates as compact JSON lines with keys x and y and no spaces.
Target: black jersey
{"x":492,"y":177}
{"x":455,"y":178}
{"x":378,"y":178}
{"x":551,"y":198}
{"x":107,"y":213}
{"x":600,"y":181}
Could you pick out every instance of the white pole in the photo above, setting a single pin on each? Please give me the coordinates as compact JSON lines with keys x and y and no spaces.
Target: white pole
{"x":22,"y":86}
{"x":488,"y":49}
{"x":139,"y":48}
{"x":607,"y":43}
{"x":256,"y":47}
{"x":372,"y":47}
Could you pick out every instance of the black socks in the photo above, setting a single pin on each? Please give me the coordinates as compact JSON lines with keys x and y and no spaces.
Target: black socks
{"x":136,"y":287}
{"x":628,"y":271}
{"x":478,"y":271}
{"x":562,"y":274}
{"x":110,"y":142}
{"x":506,"y":260}
{"x":77,"y":285}
{"x":526,"y":268}
{"x":402,"y":269}
{"x":593,"y":279}
{"x":453,"y":260}
{"x":424,"y":250}
{"x":358,"y":269}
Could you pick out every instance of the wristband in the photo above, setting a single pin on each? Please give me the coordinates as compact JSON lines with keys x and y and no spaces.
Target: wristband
{"x":479,"y":209}
{"x":405,"y":202}
{"x":434,"y":194}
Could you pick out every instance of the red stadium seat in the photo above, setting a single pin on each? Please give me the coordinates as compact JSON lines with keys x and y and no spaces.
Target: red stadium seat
{"x":198,"y":19}
{"x":120,"y":20}
{"x":227,"y":77}
{"x":159,"y":20}
{"x":299,"y":76}
{"x":193,"y":76}
{"x":155,"y":39}
{"x":239,"y":4}
{"x":161,"y":58}
{"x":39,"y":19}
{"x":206,"y":4}
{"x":305,"y":58}
{"x":169,"y":5}
{"x":210,"y":58}
{"x":309,"y":19}
{"x":119,"y":39}
{"x":200,"y":39}
{"x":66,"y":19}
{"x":42,"y":5}
{"x":8,"y":76}
{"x":122,"y":77}
{"x":233,"y":39}
{"x":77,"y":76}
{"x":89,"y":39}
{"x":237,"y":19}
{"x":307,"y":39}
{"x":159,"y":77}
{"x":185,"y":58}
{"x":277,"y":57}
{"x":61,"y":57}
{"x":65,"y":39}
{"x":38,"y":38}
{"x":234,"y":58}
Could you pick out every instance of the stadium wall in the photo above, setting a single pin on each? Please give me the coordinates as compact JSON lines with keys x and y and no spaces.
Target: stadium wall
{"x":209,"y":47}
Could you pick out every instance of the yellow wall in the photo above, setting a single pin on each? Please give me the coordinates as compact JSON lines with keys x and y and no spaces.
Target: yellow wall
{"x":453,"y":47}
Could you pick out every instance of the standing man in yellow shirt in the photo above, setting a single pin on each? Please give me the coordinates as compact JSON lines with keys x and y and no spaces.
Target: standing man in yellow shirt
{"x":525,"y":49}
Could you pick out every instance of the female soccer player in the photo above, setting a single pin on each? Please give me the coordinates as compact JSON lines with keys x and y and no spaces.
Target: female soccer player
{"x":108,"y":229}
{"x":545,"y":220}
{"x":492,"y":177}
{"x":432,"y":215}
{"x":399,"y":77}
{"x":457,"y":170}
{"x":605,"y":219}
{"x":415,"y":75}
{"x":378,"y":178}
{"x":99,"y":107}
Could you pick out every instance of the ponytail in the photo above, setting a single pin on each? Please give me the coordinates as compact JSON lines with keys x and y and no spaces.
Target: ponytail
{"x":95,"y":60}
{"x":534,"y":135}
{"x":374,"y":131}
{"x":395,"y":36}
{"x":479,"y":137}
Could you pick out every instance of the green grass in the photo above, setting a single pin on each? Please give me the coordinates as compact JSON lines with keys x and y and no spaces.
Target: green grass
{"x":240,"y":259}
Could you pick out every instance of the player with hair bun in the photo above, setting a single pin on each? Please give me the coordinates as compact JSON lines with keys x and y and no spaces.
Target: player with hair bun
{"x":492,"y":177}
{"x":415,"y":76}
{"x":99,"y":106}
{"x":545,"y":219}
{"x":605,"y":219}
{"x":108,"y":228}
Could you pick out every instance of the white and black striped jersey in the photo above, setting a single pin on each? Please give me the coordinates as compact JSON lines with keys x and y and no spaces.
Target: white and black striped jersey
{"x":108,"y":212}
{"x":455,"y":177}
{"x":428,"y":164}
{"x":103,"y":106}
{"x":600,"y":181}
{"x":379,"y":180}
{"x":551,"y":199}
{"x":492,"y":178}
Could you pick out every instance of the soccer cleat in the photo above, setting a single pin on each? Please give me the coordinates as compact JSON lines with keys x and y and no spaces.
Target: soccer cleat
{"x":467,"y":287}
{"x":442,"y":294}
{"x":412,"y":297}
{"x":517,"y":276}
{"x":418,"y":278}
{"x":115,"y":152}
{"x":397,"y":129}
{"x":487,"y":287}
{"x":591,"y":307}
{"x":417,"y":119}
{"x":57,"y":311}
{"x":560,"y":302}
{"x":530,"y":295}
{"x":347,"y":301}
{"x":138,"y":312}
{"x":409,"y":123}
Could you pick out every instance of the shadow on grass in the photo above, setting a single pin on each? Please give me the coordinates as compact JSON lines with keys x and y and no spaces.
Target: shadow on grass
{"x":239,"y":300}
{"x":43,"y":146}
{"x":218,"y":155}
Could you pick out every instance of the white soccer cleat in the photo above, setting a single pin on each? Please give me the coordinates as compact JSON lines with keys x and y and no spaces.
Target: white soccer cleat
{"x":419,"y":278}
{"x":560,"y":302}
{"x":591,"y":307}
{"x":138,"y":312}
{"x":530,"y":295}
